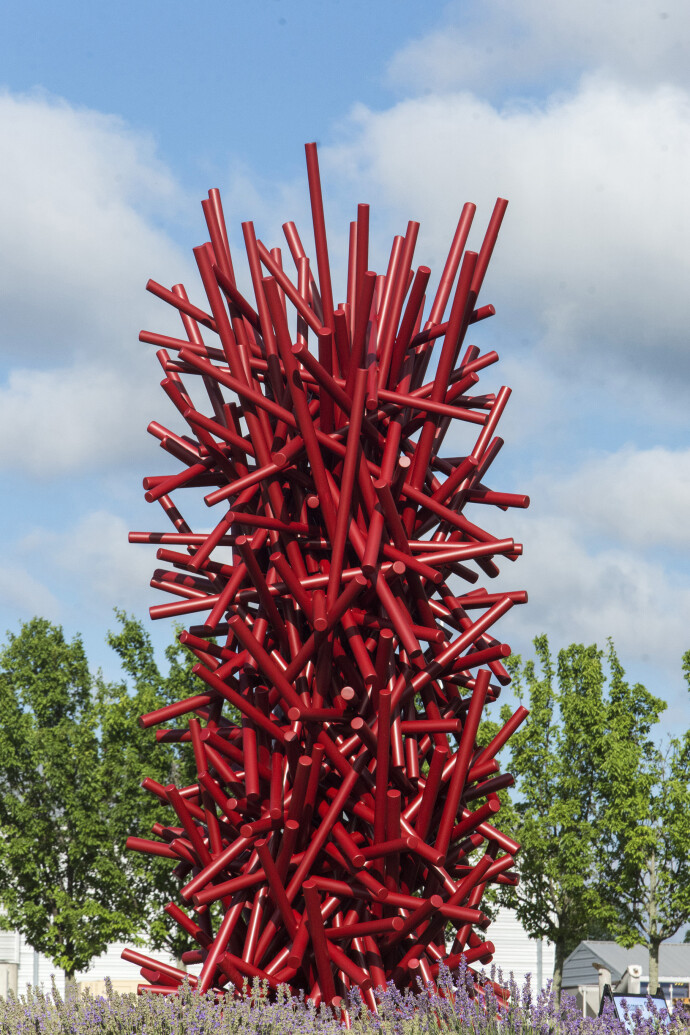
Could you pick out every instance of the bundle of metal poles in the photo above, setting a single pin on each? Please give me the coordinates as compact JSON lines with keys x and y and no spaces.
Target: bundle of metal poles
{"x":343,"y":814}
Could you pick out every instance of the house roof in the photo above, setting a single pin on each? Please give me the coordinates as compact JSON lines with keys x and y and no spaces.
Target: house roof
{"x":674,"y":962}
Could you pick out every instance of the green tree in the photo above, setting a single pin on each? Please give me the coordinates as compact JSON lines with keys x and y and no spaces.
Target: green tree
{"x":649,"y":851}
{"x":133,"y":754}
{"x":61,"y":883}
{"x":72,"y":760}
{"x":581,"y":755}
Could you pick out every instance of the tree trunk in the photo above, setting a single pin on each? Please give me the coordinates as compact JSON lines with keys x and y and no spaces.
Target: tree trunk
{"x":70,"y":985}
{"x":179,"y":963}
{"x":559,"y":960}
{"x":654,"y":940}
{"x":654,"y":944}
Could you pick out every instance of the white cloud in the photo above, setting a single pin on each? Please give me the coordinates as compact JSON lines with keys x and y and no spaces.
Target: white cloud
{"x":593,"y":256}
{"x":603,"y":557}
{"x":580,"y":592}
{"x":82,"y":199}
{"x":81,"y":209}
{"x":94,"y":562}
{"x":84,"y":419}
{"x":24,"y":596}
{"x":636,"y":497}
{"x":499,"y":45}
{"x":72,"y":420}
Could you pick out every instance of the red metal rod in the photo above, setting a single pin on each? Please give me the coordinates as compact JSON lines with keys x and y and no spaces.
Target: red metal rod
{"x":382,"y":763}
{"x":307,"y":314}
{"x":462,"y":761}
{"x":318,"y":940}
{"x":319,"y":233}
{"x":347,"y":484}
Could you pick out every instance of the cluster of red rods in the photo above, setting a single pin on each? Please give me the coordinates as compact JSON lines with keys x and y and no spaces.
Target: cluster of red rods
{"x":341,"y":818}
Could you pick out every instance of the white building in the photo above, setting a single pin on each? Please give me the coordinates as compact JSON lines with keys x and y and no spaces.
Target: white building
{"x":585,"y":964}
{"x":519,"y":954}
{"x":21,"y":966}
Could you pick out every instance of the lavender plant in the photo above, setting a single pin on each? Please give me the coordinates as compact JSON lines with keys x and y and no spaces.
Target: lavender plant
{"x":258,"y":1012}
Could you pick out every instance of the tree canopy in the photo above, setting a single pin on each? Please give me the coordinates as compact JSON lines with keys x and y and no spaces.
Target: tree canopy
{"x":72,"y":759}
{"x":648,"y":851}
{"x":61,"y":883}
{"x":133,"y":753}
{"x":580,"y":762}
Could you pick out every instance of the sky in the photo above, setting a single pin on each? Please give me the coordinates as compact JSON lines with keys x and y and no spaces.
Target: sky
{"x":116,"y":119}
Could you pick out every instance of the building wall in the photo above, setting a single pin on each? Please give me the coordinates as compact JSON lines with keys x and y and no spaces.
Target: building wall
{"x":21,"y":966}
{"x":515,"y":954}
{"x":578,"y":969}
{"x":580,"y":978}
{"x":518,"y":954}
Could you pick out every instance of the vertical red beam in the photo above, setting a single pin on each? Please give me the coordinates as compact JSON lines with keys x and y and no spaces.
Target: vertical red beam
{"x":320,"y":242}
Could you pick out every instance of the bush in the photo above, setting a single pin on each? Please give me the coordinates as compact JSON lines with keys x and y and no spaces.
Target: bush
{"x":258,"y":1012}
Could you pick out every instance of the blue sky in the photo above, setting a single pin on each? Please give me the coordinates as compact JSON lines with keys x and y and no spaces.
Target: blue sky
{"x":117,"y":119}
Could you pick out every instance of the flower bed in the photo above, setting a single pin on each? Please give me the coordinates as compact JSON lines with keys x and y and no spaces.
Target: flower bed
{"x":260,"y":1012}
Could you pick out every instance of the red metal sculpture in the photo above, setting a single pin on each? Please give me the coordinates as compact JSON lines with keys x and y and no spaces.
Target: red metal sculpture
{"x":342,"y":815}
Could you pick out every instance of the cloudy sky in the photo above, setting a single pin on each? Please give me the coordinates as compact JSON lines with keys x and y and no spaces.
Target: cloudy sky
{"x":116,"y":119}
